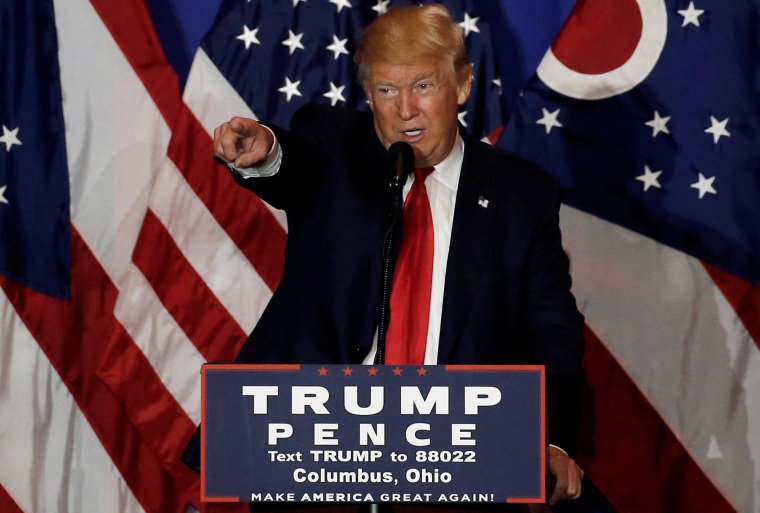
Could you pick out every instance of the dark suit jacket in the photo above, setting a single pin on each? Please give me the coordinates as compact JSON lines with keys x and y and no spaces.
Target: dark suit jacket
{"x":507,"y":294}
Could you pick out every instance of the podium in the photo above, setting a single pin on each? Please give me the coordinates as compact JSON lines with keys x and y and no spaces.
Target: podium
{"x":373,"y":434}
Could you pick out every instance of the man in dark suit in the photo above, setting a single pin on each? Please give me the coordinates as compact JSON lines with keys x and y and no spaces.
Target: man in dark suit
{"x":500,"y":291}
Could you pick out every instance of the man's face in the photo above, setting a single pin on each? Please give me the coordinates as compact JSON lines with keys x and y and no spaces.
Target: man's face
{"x":418,"y":104}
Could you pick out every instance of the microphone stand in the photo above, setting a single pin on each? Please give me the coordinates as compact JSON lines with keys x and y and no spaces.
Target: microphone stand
{"x":402,"y":161}
{"x":396,"y":187}
{"x":374,"y":507}
{"x":394,"y":214}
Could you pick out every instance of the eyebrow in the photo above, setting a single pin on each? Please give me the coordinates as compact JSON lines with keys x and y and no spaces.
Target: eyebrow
{"x":423,"y":76}
{"x":415,"y":79}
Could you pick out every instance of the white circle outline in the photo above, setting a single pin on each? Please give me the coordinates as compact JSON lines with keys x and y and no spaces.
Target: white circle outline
{"x":584,"y":86}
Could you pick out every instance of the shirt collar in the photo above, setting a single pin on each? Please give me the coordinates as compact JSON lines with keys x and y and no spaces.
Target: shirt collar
{"x":448,"y":170}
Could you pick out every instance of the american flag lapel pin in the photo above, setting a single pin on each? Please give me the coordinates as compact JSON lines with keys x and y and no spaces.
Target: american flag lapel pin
{"x":482,"y":202}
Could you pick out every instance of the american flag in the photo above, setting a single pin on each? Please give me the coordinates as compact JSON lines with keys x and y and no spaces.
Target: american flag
{"x":306,"y":56}
{"x":128,"y":259}
{"x":648,"y":113}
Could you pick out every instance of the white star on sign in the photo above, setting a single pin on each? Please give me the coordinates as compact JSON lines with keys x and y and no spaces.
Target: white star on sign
{"x":704,"y":185}
{"x":717,"y":129}
{"x":338,"y":46}
{"x":9,"y":138}
{"x":469,"y":25}
{"x":381,"y":7}
{"x":658,"y":124}
{"x":293,"y":41}
{"x":650,"y":178}
{"x":340,"y":4}
{"x":549,"y":120}
{"x":691,"y":15}
{"x":335,"y":94}
{"x":2,"y":194}
{"x":290,"y":88}
{"x":249,"y":37}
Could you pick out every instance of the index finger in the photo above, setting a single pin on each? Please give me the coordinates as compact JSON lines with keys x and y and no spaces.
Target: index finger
{"x":244,"y":127}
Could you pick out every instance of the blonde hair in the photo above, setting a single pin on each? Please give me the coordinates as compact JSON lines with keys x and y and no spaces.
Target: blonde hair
{"x":406,"y":35}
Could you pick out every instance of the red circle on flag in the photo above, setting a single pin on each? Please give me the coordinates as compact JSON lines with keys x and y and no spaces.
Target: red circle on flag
{"x":606,"y":48}
{"x":599,"y":36}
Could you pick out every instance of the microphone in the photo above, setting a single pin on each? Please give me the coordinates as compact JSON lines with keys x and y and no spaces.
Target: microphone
{"x":401,"y":163}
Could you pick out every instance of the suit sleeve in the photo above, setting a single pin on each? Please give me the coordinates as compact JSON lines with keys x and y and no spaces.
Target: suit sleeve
{"x":554,"y":326}
{"x":301,"y":169}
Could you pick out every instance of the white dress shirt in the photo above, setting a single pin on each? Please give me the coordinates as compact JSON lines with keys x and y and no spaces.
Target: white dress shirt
{"x":441,"y":186}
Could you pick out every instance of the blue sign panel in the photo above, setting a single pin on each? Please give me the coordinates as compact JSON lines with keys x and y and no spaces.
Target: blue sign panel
{"x":328,"y":433}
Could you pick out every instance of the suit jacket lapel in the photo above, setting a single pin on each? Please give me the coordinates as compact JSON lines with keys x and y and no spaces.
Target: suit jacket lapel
{"x":471,"y":242}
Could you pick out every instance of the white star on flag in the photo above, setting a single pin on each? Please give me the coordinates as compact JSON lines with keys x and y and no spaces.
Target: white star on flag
{"x":335,"y":94}
{"x":469,"y":24}
{"x":249,"y":37}
{"x":704,"y":185}
{"x":295,"y":2}
{"x":10,"y":138}
{"x":717,"y":129}
{"x":497,"y":83}
{"x":549,"y":120}
{"x":650,"y":178}
{"x":340,"y":4}
{"x":2,"y":194}
{"x":691,"y":15}
{"x":381,"y":7}
{"x":293,"y":41}
{"x":338,"y":46}
{"x":658,"y":124}
{"x":461,"y":116}
{"x":290,"y":88}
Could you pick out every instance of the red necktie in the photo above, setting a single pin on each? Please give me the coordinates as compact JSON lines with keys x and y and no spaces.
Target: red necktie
{"x":412,"y":277}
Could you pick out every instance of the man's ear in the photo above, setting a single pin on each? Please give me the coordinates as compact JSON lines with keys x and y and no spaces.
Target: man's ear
{"x":463,"y":92}
{"x":463,"y":89}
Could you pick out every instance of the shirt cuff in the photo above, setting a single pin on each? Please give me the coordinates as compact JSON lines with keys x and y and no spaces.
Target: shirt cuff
{"x":560,"y":448}
{"x":268,"y":167}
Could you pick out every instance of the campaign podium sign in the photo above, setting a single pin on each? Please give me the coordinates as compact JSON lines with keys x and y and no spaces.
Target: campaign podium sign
{"x":356,"y":433}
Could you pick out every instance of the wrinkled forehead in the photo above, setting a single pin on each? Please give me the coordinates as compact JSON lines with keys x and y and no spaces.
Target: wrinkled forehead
{"x":409,"y":73}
